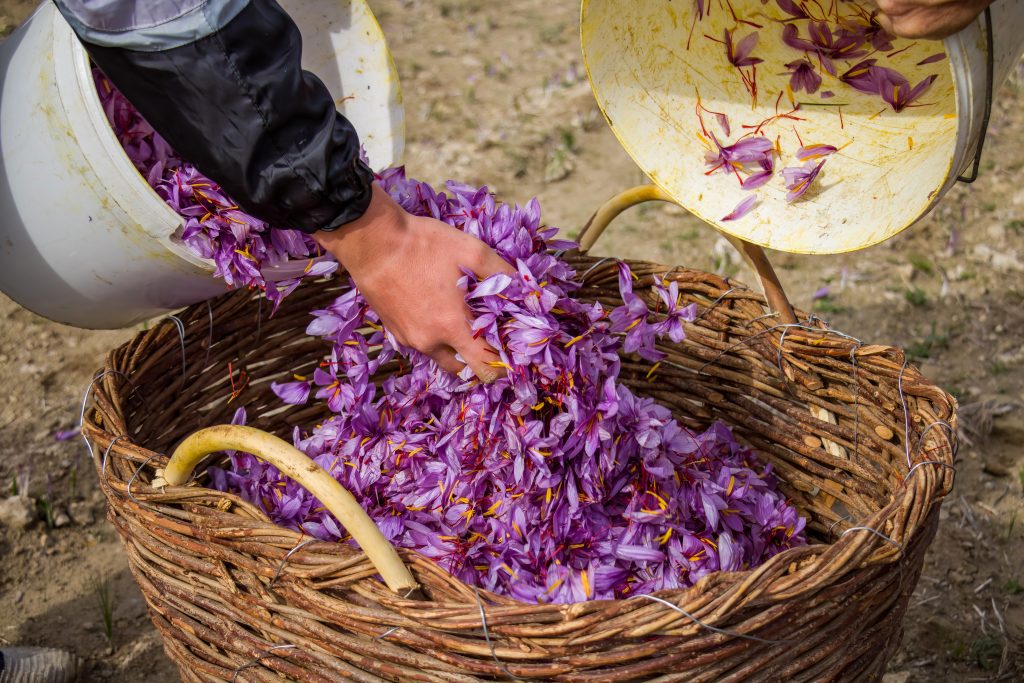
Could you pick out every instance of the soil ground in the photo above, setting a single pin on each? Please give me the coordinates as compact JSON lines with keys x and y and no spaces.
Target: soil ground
{"x":503,"y":100}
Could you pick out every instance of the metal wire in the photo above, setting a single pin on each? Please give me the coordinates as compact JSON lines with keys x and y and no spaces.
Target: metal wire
{"x":256,"y":662}
{"x":284,"y":560}
{"x":709,"y":627}
{"x":487,"y":636}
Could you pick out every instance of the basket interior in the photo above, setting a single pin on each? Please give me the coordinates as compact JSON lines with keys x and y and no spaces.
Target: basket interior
{"x":828,"y":411}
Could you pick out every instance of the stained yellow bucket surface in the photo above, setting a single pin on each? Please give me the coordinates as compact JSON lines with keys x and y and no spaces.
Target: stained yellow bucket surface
{"x":661,"y":76}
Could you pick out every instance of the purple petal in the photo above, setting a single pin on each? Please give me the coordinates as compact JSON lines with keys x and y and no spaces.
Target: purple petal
{"x":67,"y":434}
{"x":294,"y":393}
{"x":814,"y":152}
{"x":931,"y":60}
{"x":495,"y":284}
{"x":756,"y":180}
{"x":742,"y":209}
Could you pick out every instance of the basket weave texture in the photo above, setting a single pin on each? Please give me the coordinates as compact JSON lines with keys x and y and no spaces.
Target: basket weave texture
{"x":846,"y":426}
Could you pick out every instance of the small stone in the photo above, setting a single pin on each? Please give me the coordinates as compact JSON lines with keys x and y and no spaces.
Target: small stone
{"x":17,"y":512}
{"x":61,"y":519}
{"x":896,"y":677}
{"x":81,"y":513}
{"x":994,"y":469}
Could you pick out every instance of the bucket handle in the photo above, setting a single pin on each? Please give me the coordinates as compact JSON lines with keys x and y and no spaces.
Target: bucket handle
{"x":751,"y":253}
{"x":300,"y":467}
{"x":989,"y":77}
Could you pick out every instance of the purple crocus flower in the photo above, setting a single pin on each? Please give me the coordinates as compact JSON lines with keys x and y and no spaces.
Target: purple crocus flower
{"x":675,"y":313}
{"x":823,"y":43}
{"x":803,"y":76}
{"x":799,"y":178}
{"x":898,"y":93}
{"x":753,"y":155}
{"x":863,"y":76}
{"x":792,"y":8}
{"x":738,"y":54}
{"x":866,"y":30}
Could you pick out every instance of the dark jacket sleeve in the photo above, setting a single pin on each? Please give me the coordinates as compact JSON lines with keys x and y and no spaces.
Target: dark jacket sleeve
{"x":232,"y":98}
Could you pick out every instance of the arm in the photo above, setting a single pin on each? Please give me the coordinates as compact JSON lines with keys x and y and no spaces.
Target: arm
{"x":221,"y":81}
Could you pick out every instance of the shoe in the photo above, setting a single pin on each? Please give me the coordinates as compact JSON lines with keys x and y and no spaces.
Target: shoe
{"x":38,"y":665}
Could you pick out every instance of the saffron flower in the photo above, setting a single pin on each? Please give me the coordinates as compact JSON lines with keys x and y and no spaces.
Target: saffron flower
{"x":792,"y":8}
{"x":803,"y":76}
{"x":753,"y":155}
{"x":798,"y":179}
{"x":898,"y":93}
{"x":894,"y":89}
{"x":738,"y":54}
{"x":823,"y":43}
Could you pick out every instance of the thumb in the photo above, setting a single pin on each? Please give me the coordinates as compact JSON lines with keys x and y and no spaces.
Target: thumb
{"x":480,"y":357}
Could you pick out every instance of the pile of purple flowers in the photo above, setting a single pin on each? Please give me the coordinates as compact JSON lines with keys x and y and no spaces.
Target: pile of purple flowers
{"x":242,"y":248}
{"x":555,"y":483}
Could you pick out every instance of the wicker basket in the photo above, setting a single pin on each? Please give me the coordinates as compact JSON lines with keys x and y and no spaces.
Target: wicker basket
{"x":860,"y":440}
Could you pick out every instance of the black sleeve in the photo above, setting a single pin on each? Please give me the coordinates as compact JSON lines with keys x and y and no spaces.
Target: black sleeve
{"x":237,"y":104}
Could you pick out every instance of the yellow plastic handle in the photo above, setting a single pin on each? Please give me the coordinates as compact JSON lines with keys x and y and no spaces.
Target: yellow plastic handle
{"x":751,"y":253}
{"x":298,"y":466}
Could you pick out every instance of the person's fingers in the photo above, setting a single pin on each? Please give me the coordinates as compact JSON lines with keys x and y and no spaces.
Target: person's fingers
{"x":486,"y":262}
{"x":933,"y":20}
{"x":479,"y":356}
{"x":444,"y":356}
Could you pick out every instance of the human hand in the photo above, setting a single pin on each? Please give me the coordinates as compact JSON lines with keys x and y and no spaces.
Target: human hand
{"x":933,"y":19}
{"x":407,"y":268}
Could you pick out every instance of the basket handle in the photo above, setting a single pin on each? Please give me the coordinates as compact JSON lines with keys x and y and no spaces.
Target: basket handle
{"x":751,"y":253}
{"x":297,"y":465}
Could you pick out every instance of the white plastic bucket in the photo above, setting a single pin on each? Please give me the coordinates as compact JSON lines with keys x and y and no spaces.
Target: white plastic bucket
{"x":84,"y":240}
{"x":892,"y":168}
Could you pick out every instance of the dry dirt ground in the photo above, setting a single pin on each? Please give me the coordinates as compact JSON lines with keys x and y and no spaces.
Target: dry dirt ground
{"x":502,"y":99}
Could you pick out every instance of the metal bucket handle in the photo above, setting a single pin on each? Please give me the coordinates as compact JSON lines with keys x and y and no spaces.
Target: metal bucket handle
{"x":987,"y":114}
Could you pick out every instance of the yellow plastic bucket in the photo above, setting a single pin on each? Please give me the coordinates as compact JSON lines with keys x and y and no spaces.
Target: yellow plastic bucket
{"x":661,"y":74}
